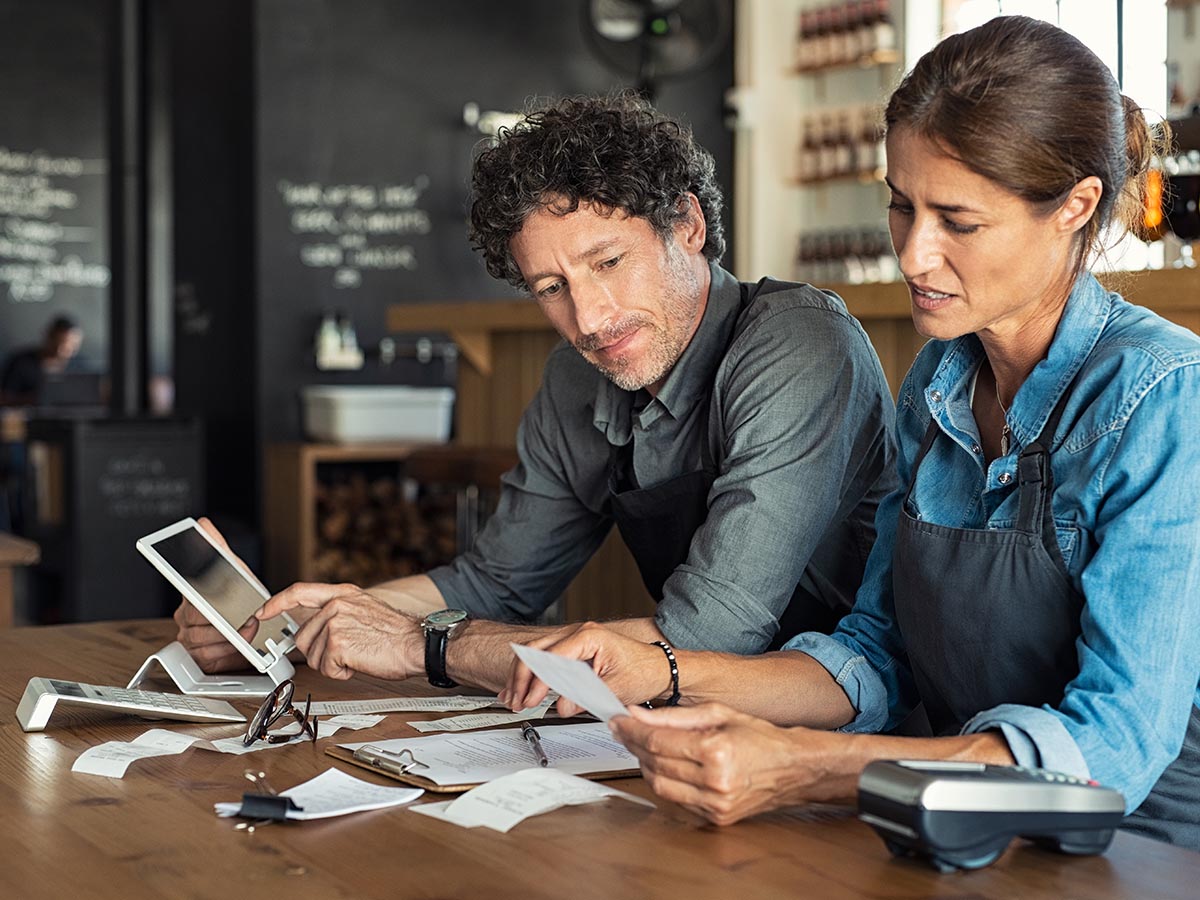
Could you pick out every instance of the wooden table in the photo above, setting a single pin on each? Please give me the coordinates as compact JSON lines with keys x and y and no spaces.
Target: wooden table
{"x":154,"y":834}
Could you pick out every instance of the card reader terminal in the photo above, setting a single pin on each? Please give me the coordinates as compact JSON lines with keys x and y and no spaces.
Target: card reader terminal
{"x":962,"y":815}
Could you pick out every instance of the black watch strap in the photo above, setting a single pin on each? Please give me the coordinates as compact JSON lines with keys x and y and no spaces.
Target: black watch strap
{"x":435,"y":658}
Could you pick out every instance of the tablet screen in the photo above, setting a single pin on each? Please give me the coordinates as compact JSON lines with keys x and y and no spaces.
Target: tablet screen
{"x":215,"y":579}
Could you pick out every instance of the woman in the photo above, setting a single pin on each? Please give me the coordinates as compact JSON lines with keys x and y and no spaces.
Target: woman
{"x":1036,"y":585}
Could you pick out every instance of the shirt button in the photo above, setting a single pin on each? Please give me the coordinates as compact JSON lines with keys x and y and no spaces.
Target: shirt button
{"x":935,"y":396}
{"x":974,"y":448}
{"x":1005,"y":478}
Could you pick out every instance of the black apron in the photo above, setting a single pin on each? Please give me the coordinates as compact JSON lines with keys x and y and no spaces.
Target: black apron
{"x":657,"y":523}
{"x":991,"y":617}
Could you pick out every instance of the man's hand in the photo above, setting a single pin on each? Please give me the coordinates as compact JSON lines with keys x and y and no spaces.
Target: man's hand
{"x":348,"y":631}
{"x":635,"y":670}
{"x":722,"y":764}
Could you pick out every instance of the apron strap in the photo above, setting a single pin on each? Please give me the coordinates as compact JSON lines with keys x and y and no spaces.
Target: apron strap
{"x":1035,"y":482}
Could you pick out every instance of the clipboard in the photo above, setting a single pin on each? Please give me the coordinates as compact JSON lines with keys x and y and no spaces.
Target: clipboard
{"x":404,"y":767}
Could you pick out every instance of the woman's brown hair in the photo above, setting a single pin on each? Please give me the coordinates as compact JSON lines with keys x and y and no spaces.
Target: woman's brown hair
{"x":1028,"y":106}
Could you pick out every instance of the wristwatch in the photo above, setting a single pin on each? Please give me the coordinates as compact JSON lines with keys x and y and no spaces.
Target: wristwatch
{"x":437,"y":627}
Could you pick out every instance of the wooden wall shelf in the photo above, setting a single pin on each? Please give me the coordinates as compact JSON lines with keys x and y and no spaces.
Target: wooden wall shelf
{"x":885,"y":313}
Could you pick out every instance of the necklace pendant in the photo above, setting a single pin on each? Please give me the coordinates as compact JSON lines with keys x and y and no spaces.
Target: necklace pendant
{"x":1005,"y":436}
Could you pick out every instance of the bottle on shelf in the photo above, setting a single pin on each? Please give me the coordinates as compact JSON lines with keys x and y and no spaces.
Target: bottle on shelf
{"x":810,"y":150}
{"x":827,"y":155}
{"x":849,"y":256}
{"x":845,"y":142}
{"x":822,"y":42}
{"x":870,"y":151}
{"x":843,"y":157}
{"x":803,"y":51}
{"x":884,"y":27}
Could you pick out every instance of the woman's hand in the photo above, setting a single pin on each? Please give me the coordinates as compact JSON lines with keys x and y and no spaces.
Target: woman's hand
{"x":725,"y":765}
{"x":634,"y":670}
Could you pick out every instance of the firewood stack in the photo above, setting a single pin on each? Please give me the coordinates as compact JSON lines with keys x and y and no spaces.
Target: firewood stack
{"x":372,"y":528}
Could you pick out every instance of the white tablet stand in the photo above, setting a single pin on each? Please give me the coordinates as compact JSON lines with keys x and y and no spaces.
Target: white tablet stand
{"x":178,"y":663}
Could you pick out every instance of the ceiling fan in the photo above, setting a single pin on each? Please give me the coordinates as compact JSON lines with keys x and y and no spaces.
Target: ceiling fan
{"x":653,"y":40}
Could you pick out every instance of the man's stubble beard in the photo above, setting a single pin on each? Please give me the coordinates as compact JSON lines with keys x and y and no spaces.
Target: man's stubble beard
{"x":667,"y":341}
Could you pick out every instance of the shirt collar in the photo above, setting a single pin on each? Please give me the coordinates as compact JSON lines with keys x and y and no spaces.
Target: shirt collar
{"x":1082,"y":323}
{"x":690,"y":380}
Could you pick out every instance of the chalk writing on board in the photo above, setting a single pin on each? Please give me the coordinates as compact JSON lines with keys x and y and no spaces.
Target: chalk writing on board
{"x":349,"y":228}
{"x":142,"y":485}
{"x":42,"y":243}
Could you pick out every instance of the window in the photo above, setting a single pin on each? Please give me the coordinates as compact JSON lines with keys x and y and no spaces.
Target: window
{"x":1131,"y":38}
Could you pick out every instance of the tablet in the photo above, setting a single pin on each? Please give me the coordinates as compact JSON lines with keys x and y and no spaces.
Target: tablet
{"x":221,"y":588}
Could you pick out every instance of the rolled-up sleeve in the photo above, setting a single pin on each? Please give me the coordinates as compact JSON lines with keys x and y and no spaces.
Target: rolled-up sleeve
{"x":1036,"y":737}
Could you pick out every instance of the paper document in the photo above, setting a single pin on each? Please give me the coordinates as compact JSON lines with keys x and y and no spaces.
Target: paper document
{"x":510,"y":800}
{"x":484,"y":720}
{"x":574,"y":679}
{"x":484,"y":755}
{"x":334,"y":793}
{"x":113,"y":759}
{"x":403,"y":704}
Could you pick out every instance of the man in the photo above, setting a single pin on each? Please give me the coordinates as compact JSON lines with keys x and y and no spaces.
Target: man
{"x":26,"y":369}
{"x":739,"y":435}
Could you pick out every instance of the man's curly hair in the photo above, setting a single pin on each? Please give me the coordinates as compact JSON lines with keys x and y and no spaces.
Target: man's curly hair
{"x":614,"y":152}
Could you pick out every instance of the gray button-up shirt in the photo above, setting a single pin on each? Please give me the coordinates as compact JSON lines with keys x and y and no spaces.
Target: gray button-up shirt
{"x":799,"y":420}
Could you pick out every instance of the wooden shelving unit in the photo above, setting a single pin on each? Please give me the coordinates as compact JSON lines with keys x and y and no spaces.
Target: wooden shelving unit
{"x":292,"y":478}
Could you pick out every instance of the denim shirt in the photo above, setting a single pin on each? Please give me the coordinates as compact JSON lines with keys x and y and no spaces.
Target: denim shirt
{"x":1126,"y":507}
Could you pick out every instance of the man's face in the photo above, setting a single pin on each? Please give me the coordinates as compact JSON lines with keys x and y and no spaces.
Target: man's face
{"x":625,"y":298}
{"x":67,"y":343}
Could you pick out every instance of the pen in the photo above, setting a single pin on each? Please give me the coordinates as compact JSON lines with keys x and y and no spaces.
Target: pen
{"x":535,"y":742}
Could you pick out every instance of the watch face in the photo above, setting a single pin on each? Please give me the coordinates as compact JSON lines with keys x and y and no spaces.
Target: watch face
{"x":444,"y":618}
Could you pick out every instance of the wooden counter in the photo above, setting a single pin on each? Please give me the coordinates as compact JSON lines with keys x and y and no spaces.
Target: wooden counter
{"x":153,"y":833}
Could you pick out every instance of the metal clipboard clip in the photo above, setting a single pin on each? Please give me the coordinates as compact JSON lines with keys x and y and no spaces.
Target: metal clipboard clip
{"x":398,"y":763}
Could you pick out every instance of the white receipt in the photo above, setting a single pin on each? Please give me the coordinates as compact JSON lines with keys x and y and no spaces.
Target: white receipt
{"x":510,"y":800}
{"x":574,"y":679}
{"x":334,"y":793}
{"x":484,"y":755}
{"x":113,"y":759}
{"x":402,"y":704}
{"x":484,"y":720}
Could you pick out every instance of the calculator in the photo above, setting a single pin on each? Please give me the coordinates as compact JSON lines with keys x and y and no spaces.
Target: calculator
{"x":43,"y":695}
{"x":962,"y":815}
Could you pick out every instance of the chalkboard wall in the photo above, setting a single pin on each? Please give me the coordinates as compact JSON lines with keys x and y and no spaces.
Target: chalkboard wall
{"x":53,"y":193}
{"x":363,"y":159}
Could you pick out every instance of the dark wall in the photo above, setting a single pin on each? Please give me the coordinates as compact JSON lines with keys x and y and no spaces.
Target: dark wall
{"x":277,"y":99}
{"x":369,"y":94}
{"x":53,"y":165}
{"x":215,"y":344}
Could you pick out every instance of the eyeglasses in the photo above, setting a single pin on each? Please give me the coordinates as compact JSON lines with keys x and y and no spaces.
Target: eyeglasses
{"x":277,"y":704}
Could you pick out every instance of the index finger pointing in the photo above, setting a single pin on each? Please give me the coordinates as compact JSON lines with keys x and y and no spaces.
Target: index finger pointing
{"x":312,"y":596}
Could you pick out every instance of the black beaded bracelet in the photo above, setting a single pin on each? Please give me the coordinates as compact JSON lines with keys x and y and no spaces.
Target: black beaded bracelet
{"x":673,"y":700}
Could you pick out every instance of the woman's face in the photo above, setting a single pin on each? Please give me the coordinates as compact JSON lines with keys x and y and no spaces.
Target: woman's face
{"x":976,"y":257}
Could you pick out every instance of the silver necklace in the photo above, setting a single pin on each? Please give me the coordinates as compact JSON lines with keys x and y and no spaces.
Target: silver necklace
{"x":1005,"y":432}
